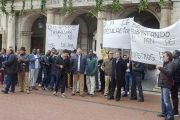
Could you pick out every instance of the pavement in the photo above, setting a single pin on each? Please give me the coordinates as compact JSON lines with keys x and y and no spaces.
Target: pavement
{"x":41,"y":105}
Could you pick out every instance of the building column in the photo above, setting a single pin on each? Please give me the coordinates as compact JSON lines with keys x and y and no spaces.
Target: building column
{"x":50,"y":20}
{"x":26,"y":40}
{"x":11,"y":31}
{"x":101,"y":17}
{"x":4,"y":28}
{"x":84,"y":43}
{"x":176,"y":11}
{"x":165,"y":19}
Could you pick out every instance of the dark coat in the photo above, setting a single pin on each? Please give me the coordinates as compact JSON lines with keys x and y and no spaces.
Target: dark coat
{"x":2,"y":59}
{"x":176,"y":75}
{"x":11,"y":65}
{"x":53,"y":67}
{"x":25,"y":60}
{"x":138,"y":68}
{"x":44,"y":60}
{"x":168,"y":71}
{"x":65,"y":62}
{"x":118,"y":71}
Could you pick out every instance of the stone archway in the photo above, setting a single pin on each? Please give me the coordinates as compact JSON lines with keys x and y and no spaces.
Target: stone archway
{"x":25,"y":34}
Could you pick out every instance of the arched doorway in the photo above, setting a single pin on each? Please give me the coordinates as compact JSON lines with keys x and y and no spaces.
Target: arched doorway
{"x":29,"y":25}
{"x":87,"y":26}
{"x":38,"y":35}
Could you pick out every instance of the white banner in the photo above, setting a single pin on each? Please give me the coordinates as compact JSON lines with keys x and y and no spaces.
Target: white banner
{"x":148,"y":45}
{"x":116,"y":33}
{"x":62,"y":36}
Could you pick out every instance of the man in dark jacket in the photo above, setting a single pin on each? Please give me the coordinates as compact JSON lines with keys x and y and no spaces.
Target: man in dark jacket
{"x":2,"y":59}
{"x":10,"y":69}
{"x":46,"y":70}
{"x":165,"y":81}
{"x":136,"y":81}
{"x":62,"y":64}
{"x":80,"y":66}
{"x":53,"y":69}
{"x":117,"y":77}
{"x":175,"y":87}
{"x":23,"y":68}
{"x":39,"y":79}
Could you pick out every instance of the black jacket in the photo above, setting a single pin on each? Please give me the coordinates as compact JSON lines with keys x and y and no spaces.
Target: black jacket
{"x":168,"y":71}
{"x":53,"y":67}
{"x":138,"y":68}
{"x":176,"y":75}
{"x":118,"y":71}
{"x":44,"y":60}
{"x":65,"y":62}
{"x":11,"y":65}
{"x":25,"y":60}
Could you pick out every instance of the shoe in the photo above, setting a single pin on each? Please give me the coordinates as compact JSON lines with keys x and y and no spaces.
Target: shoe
{"x":169,"y":118}
{"x":54,"y":94}
{"x":110,"y":98}
{"x":105,"y":95}
{"x":21,"y":90}
{"x":39,"y":85}
{"x":122,"y":92}
{"x":133,"y":98}
{"x":141,"y":100}
{"x":72,"y":94}
{"x":63,"y":95}
{"x":27,"y":91}
{"x":4,"y":91}
{"x":34,"y":88}
{"x":11,"y":91}
{"x":47,"y":88}
{"x":42,"y":88}
{"x":92,"y":95}
{"x":128,"y":93}
{"x":124,"y":95}
{"x":82,"y":95}
{"x":176,"y":115}
{"x":118,"y":99}
{"x":161,"y":115}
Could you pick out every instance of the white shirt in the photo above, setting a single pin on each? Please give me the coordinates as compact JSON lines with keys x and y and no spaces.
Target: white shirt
{"x":36,"y":62}
{"x":79,"y":56}
{"x":128,"y":70}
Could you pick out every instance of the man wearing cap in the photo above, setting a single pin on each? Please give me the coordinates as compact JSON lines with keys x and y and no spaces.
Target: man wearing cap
{"x":23,"y":68}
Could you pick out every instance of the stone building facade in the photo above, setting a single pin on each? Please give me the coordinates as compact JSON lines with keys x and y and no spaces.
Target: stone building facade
{"x":22,"y":30}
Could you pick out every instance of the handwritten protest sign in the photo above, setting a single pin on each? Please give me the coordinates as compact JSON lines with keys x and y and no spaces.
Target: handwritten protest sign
{"x":116,"y":33}
{"x":148,"y":45}
{"x":62,"y":36}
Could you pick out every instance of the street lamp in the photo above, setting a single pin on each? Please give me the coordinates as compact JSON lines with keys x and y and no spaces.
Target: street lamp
{"x":40,"y":23}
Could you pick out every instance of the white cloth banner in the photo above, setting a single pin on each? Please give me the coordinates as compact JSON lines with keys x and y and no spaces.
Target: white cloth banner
{"x":116,"y":33}
{"x":148,"y":45}
{"x":62,"y":36}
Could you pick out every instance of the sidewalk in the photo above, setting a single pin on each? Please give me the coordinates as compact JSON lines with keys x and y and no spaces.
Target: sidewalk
{"x":41,"y":105}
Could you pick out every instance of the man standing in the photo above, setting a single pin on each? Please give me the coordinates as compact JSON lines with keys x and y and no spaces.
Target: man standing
{"x":136,"y":81}
{"x":34,"y":67}
{"x":11,"y":68}
{"x":165,"y":81}
{"x":90,"y":76}
{"x":2,"y":59}
{"x":79,"y":65}
{"x":107,"y":67}
{"x":117,"y":77}
{"x":46,"y":70}
{"x":39,"y":79}
{"x":175,"y":87}
{"x":62,"y":64}
{"x":23,"y":65}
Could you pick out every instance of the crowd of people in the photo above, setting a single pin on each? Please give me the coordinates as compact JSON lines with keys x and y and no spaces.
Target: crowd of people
{"x":82,"y":71}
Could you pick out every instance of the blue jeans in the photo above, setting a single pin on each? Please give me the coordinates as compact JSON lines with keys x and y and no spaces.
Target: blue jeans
{"x":10,"y":80}
{"x":128,"y":79}
{"x":136,"y":81}
{"x":47,"y":75}
{"x":96,"y":80}
{"x":53,"y":80}
{"x":165,"y":102}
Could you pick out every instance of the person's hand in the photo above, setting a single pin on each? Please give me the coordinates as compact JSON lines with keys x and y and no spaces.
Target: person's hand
{"x":92,"y":75}
{"x":38,"y":57}
{"x":24,"y":64}
{"x":73,"y":48}
{"x":85,"y":73}
{"x":51,"y":54}
{"x":158,"y":67}
{"x":156,"y":74}
{"x":47,"y":64}
{"x":61,"y":66}
{"x":20,"y":59}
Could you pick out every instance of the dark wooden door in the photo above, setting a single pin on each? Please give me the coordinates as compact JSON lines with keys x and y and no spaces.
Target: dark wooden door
{"x":38,"y":43}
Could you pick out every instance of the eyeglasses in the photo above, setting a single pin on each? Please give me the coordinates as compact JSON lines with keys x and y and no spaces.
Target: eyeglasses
{"x":163,"y":56}
{"x":111,"y":53}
